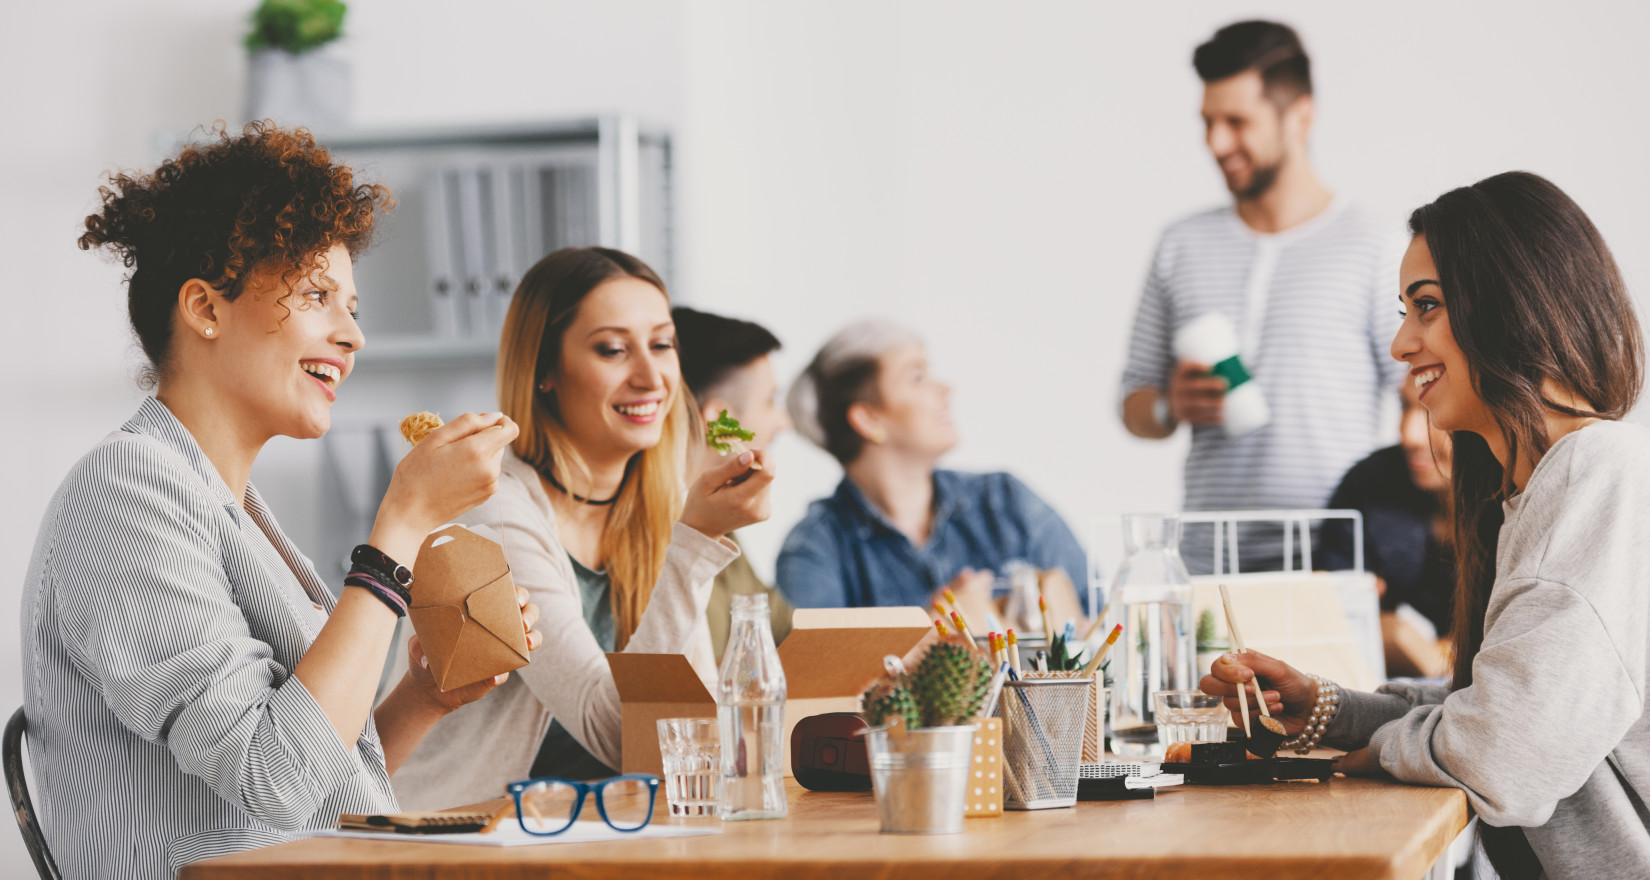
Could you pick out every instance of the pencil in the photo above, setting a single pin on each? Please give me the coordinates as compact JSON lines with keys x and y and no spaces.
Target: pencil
{"x":1048,"y":628}
{"x":1094,"y":662}
{"x":962,"y":626}
{"x":1013,"y":651}
{"x":996,"y":649}
{"x":939,"y":624}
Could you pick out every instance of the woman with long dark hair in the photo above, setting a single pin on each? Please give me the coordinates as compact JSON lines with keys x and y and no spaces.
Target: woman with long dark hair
{"x":1521,"y":336}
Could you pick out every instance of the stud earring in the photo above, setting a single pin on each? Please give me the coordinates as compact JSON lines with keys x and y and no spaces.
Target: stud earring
{"x":208,"y":332}
{"x":879,"y":436}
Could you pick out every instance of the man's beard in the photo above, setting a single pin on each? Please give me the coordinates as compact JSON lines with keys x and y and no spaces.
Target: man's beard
{"x":1260,"y":180}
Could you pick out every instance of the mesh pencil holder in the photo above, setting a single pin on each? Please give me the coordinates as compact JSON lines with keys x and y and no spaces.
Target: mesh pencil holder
{"x":1044,"y":744}
{"x":1094,"y":725}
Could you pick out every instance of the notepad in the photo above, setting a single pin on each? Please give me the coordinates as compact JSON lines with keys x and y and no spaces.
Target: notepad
{"x":509,"y":833}
{"x":414,"y":823}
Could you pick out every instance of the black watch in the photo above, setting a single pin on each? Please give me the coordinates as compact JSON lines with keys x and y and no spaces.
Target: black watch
{"x":376,"y":562}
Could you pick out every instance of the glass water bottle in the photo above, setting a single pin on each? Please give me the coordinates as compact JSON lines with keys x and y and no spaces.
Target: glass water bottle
{"x":1153,"y":595}
{"x":750,"y":704}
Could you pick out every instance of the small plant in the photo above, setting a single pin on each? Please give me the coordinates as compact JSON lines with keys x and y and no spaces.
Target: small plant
{"x":295,"y":26}
{"x":1207,"y":639}
{"x":948,"y":687}
{"x":1060,"y":658}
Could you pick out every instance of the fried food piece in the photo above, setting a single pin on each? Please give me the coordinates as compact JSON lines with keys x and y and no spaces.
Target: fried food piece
{"x":418,"y":426}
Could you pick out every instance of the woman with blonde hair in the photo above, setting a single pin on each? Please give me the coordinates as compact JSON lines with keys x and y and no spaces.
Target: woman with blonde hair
{"x":595,"y":525}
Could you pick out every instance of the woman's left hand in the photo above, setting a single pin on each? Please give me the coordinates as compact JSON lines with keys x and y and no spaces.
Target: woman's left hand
{"x":418,"y":666}
{"x":1358,"y":763}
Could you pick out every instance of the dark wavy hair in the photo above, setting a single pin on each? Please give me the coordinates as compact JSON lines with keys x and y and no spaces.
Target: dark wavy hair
{"x":1533,"y":295}
{"x":267,"y":199}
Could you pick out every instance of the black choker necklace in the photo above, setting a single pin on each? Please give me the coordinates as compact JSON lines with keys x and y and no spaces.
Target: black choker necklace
{"x":583,"y":500}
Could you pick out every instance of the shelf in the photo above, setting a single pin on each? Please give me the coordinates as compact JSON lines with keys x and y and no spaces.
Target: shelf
{"x":427,"y":351}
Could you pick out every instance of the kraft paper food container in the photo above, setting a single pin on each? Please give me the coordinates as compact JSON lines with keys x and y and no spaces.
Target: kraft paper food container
{"x":464,"y":608}
{"x":830,"y":657}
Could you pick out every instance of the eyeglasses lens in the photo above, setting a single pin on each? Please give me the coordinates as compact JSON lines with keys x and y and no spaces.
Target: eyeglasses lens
{"x":628,"y":802}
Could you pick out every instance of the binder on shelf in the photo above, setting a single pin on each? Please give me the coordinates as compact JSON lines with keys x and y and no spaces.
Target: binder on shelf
{"x":508,"y":252}
{"x":470,"y":232}
{"x":446,"y":301}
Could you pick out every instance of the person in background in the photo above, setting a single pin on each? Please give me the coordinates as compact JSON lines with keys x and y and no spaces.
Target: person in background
{"x":590,"y":504}
{"x":726,"y":366}
{"x":192,"y":687}
{"x":1403,"y":492}
{"x":1300,"y":272}
{"x":899,"y":529}
{"x":1522,"y":336}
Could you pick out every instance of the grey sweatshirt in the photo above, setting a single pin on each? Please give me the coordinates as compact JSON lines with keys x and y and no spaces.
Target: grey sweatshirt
{"x":1551,"y":735}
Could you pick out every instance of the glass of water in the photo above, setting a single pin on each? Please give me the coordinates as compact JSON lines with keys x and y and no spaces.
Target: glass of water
{"x":692,"y":753}
{"x":1189,"y":717}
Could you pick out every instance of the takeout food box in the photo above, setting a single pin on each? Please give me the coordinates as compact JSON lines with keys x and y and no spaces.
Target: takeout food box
{"x":831,"y":655}
{"x":464,"y":608}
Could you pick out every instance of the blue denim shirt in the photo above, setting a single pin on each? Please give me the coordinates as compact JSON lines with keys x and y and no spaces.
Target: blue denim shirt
{"x":846,"y":554}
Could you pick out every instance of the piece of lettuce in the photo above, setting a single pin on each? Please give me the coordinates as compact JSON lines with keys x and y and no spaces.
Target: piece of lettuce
{"x":723,"y":433}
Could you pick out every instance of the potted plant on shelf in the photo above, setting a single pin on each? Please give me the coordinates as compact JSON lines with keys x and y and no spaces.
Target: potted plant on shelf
{"x":295,"y":77}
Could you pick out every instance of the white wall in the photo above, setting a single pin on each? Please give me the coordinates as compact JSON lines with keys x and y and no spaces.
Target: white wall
{"x":994,"y":174}
{"x":997,"y":174}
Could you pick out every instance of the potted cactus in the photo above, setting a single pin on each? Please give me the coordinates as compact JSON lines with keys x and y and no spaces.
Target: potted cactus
{"x":922,"y":734}
{"x":295,"y":75}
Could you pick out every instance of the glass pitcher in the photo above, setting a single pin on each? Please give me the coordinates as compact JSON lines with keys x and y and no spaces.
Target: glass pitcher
{"x":1152,"y":596}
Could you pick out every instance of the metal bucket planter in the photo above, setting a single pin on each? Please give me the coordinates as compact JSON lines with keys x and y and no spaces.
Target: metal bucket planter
{"x":920,"y":776}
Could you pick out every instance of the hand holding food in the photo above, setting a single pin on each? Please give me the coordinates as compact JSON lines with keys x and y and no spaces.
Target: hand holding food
{"x":724,"y":435}
{"x":730,"y":496}
{"x":452,"y":468}
{"x":1290,"y":694}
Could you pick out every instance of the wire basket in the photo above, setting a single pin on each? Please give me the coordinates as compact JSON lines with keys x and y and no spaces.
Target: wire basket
{"x":1044,"y":743}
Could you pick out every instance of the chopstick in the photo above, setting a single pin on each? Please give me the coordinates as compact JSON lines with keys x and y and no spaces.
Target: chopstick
{"x":1237,"y":641}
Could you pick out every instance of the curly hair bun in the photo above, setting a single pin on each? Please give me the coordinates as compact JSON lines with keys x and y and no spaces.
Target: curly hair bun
{"x":267,"y":199}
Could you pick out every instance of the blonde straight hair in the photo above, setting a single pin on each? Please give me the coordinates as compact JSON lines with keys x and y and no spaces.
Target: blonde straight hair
{"x":639,"y":522}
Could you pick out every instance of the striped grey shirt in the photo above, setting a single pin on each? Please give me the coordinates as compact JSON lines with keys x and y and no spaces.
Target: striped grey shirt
{"x":160,"y":626}
{"x":1318,"y":347}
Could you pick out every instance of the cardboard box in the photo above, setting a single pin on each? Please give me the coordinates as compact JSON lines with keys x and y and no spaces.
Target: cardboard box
{"x":1297,"y":617}
{"x":830,"y":657}
{"x":464,"y":608}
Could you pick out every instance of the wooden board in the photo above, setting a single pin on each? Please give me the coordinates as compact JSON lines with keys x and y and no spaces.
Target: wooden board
{"x":1349,"y":829}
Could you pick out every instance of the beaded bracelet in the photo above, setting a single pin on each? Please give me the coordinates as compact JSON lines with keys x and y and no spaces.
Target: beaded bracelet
{"x":396,"y":598}
{"x":1324,"y":707}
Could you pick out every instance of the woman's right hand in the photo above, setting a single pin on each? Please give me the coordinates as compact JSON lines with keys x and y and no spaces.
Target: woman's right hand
{"x":1290,"y":694}
{"x":450,"y":471}
{"x":729,"y":496}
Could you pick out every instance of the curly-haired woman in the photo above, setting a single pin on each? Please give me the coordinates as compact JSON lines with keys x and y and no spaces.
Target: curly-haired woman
{"x":192,"y":687}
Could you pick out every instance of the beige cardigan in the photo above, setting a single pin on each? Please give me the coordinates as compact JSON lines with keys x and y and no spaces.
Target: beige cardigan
{"x":470,"y":755}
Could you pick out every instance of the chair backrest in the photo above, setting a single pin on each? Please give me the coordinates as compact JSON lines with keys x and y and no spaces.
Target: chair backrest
{"x":18,"y":785}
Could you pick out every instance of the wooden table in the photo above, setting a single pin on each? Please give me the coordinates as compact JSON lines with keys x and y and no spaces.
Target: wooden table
{"x":1348,"y":829}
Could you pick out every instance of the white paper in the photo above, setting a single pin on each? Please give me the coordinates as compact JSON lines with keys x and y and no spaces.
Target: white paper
{"x":509,"y":833}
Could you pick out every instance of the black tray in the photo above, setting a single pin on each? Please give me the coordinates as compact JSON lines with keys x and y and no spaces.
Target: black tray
{"x":1255,"y":771}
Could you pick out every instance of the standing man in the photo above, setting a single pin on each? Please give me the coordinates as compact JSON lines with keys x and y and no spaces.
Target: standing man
{"x":725,"y":365}
{"x":1306,"y":279}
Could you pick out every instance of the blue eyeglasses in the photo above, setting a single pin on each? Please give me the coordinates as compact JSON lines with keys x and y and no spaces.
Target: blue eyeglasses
{"x":549,"y":806}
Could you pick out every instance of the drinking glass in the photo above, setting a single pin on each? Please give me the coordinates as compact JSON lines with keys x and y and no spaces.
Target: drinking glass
{"x":1189,"y":717}
{"x":692,"y":753}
